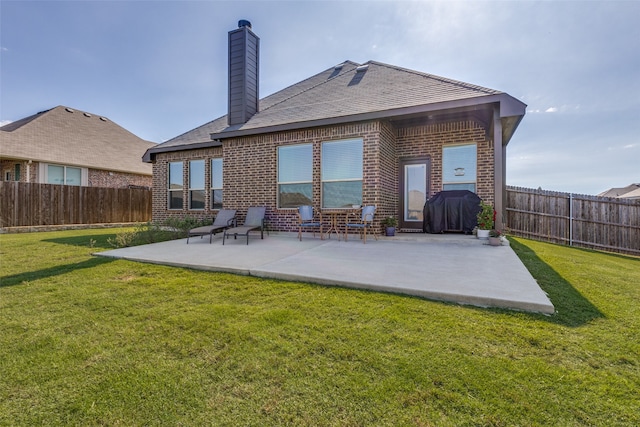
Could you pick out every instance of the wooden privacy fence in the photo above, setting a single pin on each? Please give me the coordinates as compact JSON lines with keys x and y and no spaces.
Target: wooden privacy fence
{"x":574,"y":219}
{"x":31,"y":204}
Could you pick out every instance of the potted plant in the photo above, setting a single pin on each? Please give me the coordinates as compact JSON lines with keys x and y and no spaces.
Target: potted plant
{"x":390,"y":223}
{"x":485,"y":220}
{"x":495,"y":237}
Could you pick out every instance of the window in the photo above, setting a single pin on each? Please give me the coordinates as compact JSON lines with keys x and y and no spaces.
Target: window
{"x":216,"y":183}
{"x":342,"y":173}
{"x":196,"y":184}
{"x":295,"y":175}
{"x":175,"y":185}
{"x":64,"y":175}
{"x":459,"y":165}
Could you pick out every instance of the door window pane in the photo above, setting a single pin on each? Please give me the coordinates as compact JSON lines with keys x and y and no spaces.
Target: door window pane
{"x":415,"y":186}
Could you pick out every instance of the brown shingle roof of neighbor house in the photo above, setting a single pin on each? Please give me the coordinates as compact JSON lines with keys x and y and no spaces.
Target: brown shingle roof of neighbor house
{"x":631,"y":191}
{"x":351,"y":92}
{"x":72,"y":137}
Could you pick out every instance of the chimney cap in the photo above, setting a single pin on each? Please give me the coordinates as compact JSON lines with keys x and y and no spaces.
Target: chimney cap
{"x":244,"y":23}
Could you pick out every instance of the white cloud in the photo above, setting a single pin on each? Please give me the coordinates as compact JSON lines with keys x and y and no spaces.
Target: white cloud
{"x":4,"y":122}
{"x":551,"y":110}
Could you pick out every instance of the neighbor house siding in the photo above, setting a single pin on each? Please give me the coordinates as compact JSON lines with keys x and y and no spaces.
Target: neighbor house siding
{"x":30,"y":172}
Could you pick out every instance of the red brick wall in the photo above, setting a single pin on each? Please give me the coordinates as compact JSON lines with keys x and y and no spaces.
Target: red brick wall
{"x":250,"y":166}
{"x":428,"y":140}
{"x":101,"y":178}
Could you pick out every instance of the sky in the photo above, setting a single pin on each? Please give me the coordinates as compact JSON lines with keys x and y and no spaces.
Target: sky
{"x":159,"y":68}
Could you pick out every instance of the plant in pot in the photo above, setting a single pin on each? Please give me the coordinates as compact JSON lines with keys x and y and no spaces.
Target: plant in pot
{"x":390,"y":223}
{"x":495,"y":237}
{"x":485,"y":220}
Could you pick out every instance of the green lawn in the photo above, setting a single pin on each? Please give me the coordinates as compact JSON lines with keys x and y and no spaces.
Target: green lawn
{"x":95,"y":341}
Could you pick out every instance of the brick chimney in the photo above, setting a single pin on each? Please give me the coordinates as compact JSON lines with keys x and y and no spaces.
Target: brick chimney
{"x":244,"y":54}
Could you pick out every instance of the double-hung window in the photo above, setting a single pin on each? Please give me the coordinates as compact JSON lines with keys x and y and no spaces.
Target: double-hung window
{"x":196,"y":184}
{"x":216,"y":183}
{"x":342,"y":173}
{"x":175,"y":184}
{"x":459,"y":167}
{"x":295,"y":175}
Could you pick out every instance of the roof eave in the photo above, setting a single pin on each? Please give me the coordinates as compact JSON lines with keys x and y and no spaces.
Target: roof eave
{"x":509,"y":107}
{"x":151,"y":152}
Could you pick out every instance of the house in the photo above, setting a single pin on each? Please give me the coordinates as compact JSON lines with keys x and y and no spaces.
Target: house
{"x":631,"y":191}
{"x":72,"y":147}
{"x":353,"y":134}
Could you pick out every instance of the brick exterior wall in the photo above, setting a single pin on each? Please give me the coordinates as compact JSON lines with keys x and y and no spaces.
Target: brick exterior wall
{"x":102,"y":178}
{"x":96,"y":178}
{"x":250,"y":167}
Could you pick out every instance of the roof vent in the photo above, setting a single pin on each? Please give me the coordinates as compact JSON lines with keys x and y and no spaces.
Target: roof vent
{"x":70,"y":110}
{"x":87,"y":115}
{"x":104,"y":119}
{"x":362,"y":68}
{"x":244,"y":23}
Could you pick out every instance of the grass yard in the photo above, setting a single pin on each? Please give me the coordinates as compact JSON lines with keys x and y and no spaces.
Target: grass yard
{"x":95,"y":341}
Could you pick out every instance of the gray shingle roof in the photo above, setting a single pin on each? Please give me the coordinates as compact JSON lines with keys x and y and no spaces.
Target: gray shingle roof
{"x":349,"y":92}
{"x":71,"y":137}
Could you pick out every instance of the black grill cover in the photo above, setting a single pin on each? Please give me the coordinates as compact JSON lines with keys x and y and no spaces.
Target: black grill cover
{"x":455,"y":210}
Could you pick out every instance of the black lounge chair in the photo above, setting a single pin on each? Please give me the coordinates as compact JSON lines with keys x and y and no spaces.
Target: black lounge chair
{"x":254,"y":221}
{"x":224,"y":220}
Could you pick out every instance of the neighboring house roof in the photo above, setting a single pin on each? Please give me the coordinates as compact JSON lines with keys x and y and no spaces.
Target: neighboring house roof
{"x":71,"y":137}
{"x":631,"y":191}
{"x":353,"y":92}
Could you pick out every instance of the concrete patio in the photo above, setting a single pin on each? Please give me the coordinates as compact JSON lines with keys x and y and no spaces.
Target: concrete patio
{"x":445,"y":267}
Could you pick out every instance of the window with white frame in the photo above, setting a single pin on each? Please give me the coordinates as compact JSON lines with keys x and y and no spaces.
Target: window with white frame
{"x":459,"y":167}
{"x":216,"y":183}
{"x":196,"y":184}
{"x":175,"y":185}
{"x":295,"y":175}
{"x":63,"y":175}
{"x":342,"y":173}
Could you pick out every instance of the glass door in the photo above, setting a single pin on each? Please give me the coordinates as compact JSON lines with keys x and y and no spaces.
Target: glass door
{"x":414,"y":183}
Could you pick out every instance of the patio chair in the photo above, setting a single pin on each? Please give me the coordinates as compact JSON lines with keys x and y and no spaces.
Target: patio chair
{"x":224,"y":219}
{"x":306,"y":219}
{"x":253,"y":221}
{"x":365,"y":222}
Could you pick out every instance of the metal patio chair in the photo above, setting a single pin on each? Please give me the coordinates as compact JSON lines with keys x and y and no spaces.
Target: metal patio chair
{"x":363,"y":224}
{"x":307,"y":219}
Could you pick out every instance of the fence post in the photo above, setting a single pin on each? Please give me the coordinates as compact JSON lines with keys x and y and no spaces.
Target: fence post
{"x":570,"y":219}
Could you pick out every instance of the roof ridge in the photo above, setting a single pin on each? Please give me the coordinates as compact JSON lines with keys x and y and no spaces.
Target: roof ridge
{"x":310,"y":87}
{"x":436,"y":77}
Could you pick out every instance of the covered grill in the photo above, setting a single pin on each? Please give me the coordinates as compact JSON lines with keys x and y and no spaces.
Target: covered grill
{"x":454,"y":210}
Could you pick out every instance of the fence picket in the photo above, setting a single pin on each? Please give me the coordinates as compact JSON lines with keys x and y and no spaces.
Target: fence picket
{"x":574,"y":219}
{"x":32,"y":204}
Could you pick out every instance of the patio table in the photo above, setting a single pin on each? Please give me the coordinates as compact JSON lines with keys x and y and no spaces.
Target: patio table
{"x":335,"y":214}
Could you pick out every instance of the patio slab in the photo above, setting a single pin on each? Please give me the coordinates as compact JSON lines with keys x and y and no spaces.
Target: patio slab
{"x":452,"y":268}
